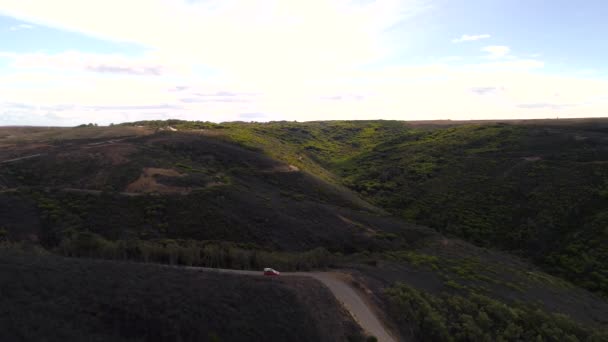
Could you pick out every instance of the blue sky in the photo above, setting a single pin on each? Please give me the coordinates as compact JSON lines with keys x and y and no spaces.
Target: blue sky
{"x":68,"y":62}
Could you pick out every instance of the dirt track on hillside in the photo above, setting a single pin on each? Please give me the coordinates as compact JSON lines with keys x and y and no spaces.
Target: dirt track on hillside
{"x":20,"y":158}
{"x":352,"y":301}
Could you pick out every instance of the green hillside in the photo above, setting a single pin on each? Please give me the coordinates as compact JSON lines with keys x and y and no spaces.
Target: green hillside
{"x":537,"y":189}
{"x":415,"y":213}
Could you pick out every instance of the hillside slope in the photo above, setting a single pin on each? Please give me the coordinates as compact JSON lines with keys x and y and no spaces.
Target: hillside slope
{"x":185,"y":186}
{"x":535,"y":188}
{"x":57,"y":299}
{"x":347,"y":195}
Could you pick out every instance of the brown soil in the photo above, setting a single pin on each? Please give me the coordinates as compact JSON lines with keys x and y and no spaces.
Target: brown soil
{"x":283,"y":169}
{"x":367,"y":229}
{"x":147,"y":182}
{"x":117,"y":154}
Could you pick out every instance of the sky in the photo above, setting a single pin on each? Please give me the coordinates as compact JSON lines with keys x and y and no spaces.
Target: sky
{"x":67,"y":62}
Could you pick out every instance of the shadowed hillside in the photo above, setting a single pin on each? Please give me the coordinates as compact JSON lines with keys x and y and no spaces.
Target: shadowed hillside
{"x":187,"y":186}
{"x":57,"y":299}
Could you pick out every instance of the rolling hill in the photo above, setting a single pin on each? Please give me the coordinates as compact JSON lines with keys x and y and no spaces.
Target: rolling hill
{"x":533,"y":188}
{"x":416,"y":213}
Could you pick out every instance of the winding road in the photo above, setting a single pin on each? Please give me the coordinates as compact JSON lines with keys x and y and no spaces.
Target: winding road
{"x":349,"y":297}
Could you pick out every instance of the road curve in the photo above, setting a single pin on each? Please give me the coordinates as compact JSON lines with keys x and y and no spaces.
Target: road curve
{"x":341,"y":289}
{"x":355,"y":304}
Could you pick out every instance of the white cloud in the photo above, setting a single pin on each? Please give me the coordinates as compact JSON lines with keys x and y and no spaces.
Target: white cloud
{"x":21,"y":27}
{"x":272,"y":60}
{"x":405,"y":93}
{"x":496,"y":51}
{"x":280,"y":40}
{"x":470,"y":38}
{"x":148,"y":64}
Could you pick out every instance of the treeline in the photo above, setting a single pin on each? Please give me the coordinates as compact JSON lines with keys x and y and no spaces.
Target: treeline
{"x":176,"y":123}
{"x":192,"y":253}
{"x":447,"y":317}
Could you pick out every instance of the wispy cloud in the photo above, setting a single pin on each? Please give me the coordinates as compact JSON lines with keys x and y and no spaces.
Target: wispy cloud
{"x":179,"y":88}
{"x":136,"y":107}
{"x":156,"y":70}
{"x":496,"y":51}
{"x":289,"y":38}
{"x":464,"y":92}
{"x":218,"y":99}
{"x":344,"y":97}
{"x":14,"y":105}
{"x":98,"y":63}
{"x":552,"y":106}
{"x":470,"y":38}
{"x":223,"y":94}
{"x":21,"y":27}
{"x":486,"y":90}
{"x":220,"y":96}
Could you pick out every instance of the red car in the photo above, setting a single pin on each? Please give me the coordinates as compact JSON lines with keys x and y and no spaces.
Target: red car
{"x":271,"y":272}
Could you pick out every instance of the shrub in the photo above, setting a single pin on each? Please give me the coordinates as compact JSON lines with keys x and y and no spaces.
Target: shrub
{"x":191,"y":253}
{"x":476,"y":317}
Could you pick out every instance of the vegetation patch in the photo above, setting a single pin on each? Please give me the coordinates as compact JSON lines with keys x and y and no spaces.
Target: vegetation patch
{"x":450,"y":317}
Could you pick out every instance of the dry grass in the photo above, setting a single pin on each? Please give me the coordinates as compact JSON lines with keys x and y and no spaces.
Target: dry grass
{"x":147,"y":182}
{"x":16,"y":135}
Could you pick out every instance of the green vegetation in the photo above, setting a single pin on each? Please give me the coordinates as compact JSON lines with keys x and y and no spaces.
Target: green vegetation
{"x":449,"y":317}
{"x":175,"y":123}
{"x":525,"y":189}
{"x":468,"y":273}
{"x":413,"y":257}
{"x":538,"y":190}
{"x":251,"y":195}
{"x":227,"y":213}
{"x":192,"y":253}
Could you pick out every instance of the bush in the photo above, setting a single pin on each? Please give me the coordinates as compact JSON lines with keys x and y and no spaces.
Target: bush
{"x":86,"y":244}
{"x":191,"y":253}
{"x":479,"y":318}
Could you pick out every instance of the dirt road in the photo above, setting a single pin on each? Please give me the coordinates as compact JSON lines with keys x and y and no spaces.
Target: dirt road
{"x":21,"y":158}
{"x":344,"y":293}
